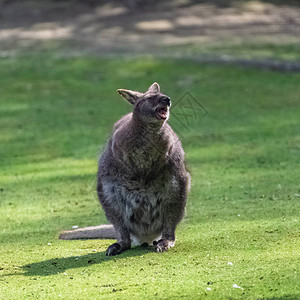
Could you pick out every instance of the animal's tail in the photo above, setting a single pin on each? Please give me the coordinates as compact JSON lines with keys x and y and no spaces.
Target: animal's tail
{"x":93,"y":232}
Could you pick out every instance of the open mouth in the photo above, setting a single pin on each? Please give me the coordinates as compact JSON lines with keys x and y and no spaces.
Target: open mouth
{"x":162,"y":112}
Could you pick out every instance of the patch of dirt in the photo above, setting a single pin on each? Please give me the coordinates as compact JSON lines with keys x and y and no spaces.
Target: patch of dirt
{"x":136,"y":26}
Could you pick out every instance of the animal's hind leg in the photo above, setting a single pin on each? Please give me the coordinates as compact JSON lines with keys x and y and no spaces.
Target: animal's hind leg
{"x":123,"y":243}
{"x":173,"y":214}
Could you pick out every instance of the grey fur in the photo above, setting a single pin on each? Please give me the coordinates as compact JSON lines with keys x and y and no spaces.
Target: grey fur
{"x":142,"y":179}
{"x":92,"y":232}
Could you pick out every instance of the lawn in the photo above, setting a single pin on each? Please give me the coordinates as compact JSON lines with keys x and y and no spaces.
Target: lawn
{"x":240,"y":238}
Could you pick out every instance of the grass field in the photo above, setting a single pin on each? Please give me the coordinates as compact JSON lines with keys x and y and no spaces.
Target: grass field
{"x":240,"y":238}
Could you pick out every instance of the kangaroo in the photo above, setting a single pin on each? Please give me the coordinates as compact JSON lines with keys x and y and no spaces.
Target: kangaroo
{"x":142,"y":181}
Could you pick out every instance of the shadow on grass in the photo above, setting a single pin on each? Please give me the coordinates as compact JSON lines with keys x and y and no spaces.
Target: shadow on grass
{"x":60,"y":265}
{"x":286,"y":297}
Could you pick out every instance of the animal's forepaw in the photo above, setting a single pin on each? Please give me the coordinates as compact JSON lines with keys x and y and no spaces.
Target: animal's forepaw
{"x":163,"y":245}
{"x":114,"y":249}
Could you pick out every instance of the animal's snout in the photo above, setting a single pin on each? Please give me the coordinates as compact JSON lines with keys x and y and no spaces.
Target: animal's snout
{"x":165,"y":101}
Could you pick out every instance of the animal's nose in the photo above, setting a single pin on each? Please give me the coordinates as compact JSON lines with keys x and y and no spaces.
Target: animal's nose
{"x":166,"y":101}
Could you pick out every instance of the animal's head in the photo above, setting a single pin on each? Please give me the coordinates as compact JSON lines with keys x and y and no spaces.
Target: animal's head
{"x":151,"y":106}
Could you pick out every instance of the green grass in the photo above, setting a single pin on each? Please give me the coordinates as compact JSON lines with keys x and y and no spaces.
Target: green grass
{"x":259,"y":49}
{"x":242,"y":224}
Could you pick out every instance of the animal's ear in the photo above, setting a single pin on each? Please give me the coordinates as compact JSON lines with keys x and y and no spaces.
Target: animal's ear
{"x":129,"y":95}
{"x":154,"y":88}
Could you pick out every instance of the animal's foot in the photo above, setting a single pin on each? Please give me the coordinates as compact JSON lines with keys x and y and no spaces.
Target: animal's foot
{"x":114,"y":249}
{"x":117,"y":248}
{"x":163,"y":245}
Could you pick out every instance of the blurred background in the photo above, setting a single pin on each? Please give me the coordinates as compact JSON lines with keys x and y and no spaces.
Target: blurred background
{"x":212,"y":30}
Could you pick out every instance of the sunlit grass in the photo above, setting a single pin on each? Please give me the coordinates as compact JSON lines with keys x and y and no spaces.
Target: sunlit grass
{"x":242,"y":222}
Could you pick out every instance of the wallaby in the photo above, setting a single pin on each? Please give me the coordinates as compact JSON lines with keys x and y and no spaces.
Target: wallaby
{"x":142,"y":181}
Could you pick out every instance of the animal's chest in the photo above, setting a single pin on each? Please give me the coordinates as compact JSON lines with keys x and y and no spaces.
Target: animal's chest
{"x":144,"y":160}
